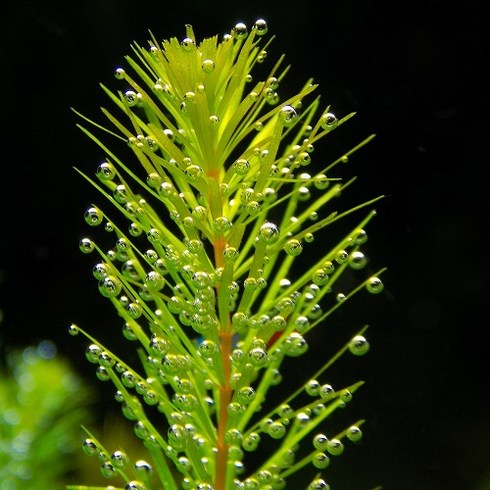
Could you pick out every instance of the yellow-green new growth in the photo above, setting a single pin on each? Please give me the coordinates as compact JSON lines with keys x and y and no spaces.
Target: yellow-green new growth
{"x":204,"y":269}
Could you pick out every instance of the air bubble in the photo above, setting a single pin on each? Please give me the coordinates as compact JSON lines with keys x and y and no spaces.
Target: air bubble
{"x":269,"y":233}
{"x":357,"y":260}
{"x":106,"y":171}
{"x":359,"y":345}
{"x":119,"y":73}
{"x":131,"y":98}
{"x":288,"y":114}
{"x":295,"y":345}
{"x":260,"y":27}
{"x":141,"y":466}
{"x":154,"y":281}
{"x":193,"y":173}
{"x":187,"y":43}
{"x":86,"y":245}
{"x":329,"y":121}
{"x":335,"y":447}
{"x":354,"y":434}
{"x":110,"y":286}
{"x":135,"y":485}
{"x":326,"y":391}
{"x":102,"y":374}
{"x":320,"y":442}
{"x":293,"y":247}
{"x":374,"y":285}
{"x":251,"y":441}
{"x":208,"y":66}
{"x":312,"y":387}
{"x":107,"y":470}
{"x":245,"y":395}
{"x":276,"y":430}
{"x":93,"y":216}
{"x":320,"y":460}
{"x":318,"y":484}
{"x":240,"y":30}
{"x":241,"y":166}
{"x":90,"y":447}
{"x":119,"y":459}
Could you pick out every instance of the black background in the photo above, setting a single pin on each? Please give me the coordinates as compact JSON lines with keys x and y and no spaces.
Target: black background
{"x":413,"y":72}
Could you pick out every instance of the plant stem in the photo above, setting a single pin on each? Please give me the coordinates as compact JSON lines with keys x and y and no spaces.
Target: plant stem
{"x":225,"y":335}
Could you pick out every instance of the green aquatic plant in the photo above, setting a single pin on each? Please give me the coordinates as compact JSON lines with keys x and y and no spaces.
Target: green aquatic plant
{"x":215,"y":267}
{"x":42,"y":404}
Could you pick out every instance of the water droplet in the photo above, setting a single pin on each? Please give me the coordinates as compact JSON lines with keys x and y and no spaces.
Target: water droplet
{"x":86,"y":245}
{"x":100,"y":270}
{"x":208,"y":66}
{"x":359,"y":345}
{"x":110,"y":286}
{"x":329,"y":121}
{"x":374,"y":285}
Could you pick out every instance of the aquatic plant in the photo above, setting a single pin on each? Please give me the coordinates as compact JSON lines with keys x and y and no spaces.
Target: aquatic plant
{"x":221,"y":265}
{"x":42,"y":404}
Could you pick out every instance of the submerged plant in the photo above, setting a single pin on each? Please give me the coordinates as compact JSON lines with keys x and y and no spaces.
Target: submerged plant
{"x":42,"y":404}
{"x":215,"y":269}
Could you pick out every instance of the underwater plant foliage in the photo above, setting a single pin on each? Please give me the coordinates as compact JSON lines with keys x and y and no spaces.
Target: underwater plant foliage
{"x":219,"y":267}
